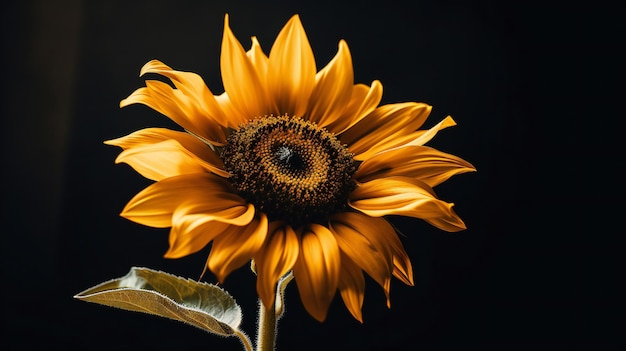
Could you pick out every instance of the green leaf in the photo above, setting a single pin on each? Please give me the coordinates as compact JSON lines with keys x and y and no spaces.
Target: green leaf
{"x":202,"y":305}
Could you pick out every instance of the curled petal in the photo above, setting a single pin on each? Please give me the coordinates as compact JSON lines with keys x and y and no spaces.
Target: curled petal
{"x":385,"y":127}
{"x":352,"y":286}
{"x":333,"y":88}
{"x":158,"y":153}
{"x":317,"y":269}
{"x":155,"y":205}
{"x":275,"y":259}
{"x":240,"y":78}
{"x":178,"y":107}
{"x":429,"y":165}
{"x":236,"y":245}
{"x":192,"y":86}
{"x":406,"y":197}
{"x":291,"y":70}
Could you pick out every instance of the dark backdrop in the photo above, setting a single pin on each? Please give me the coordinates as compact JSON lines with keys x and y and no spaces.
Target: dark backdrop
{"x":529,"y":84}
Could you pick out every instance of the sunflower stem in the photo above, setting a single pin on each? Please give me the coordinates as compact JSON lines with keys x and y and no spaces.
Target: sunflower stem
{"x":266,"y":334}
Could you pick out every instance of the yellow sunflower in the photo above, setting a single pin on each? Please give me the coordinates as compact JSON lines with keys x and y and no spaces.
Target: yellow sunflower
{"x":291,"y":167}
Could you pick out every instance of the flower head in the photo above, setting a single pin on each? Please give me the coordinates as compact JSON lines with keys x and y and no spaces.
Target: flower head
{"x":291,"y":167}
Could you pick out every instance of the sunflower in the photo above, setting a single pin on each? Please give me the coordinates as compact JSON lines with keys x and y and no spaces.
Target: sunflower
{"x":291,"y":168}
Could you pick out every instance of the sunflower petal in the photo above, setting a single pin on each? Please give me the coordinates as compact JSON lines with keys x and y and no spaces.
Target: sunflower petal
{"x":194,"y":224}
{"x":317,"y":269}
{"x":333,"y":88}
{"x":191,"y":236}
{"x":179,"y":108}
{"x":192,"y":86}
{"x":363,"y":101}
{"x":236,"y":118}
{"x":160,"y":160}
{"x":402,"y":268}
{"x":236,"y":246}
{"x":155,"y":205}
{"x":406,"y":197}
{"x":384,"y":127}
{"x":259,"y":59}
{"x":429,"y":165}
{"x":158,"y":153}
{"x":352,"y":287}
{"x":275,"y":259}
{"x":240,"y":78}
{"x":291,"y":70}
{"x":363,"y":239}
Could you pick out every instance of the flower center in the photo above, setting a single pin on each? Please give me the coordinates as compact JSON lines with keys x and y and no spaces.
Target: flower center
{"x":289,"y":168}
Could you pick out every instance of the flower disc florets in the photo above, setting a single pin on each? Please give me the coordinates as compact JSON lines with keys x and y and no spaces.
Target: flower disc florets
{"x":289,"y":168}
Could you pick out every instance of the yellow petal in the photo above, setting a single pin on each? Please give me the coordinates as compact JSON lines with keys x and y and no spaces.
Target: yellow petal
{"x":402,"y":268}
{"x":333,"y":88}
{"x":275,"y":259}
{"x":362,"y":238}
{"x":429,"y":165}
{"x":425,"y":136}
{"x":160,"y":160}
{"x":195,"y":224}
{"x":383,"y":127}
{"x":179,"y":108}
{"x":192,"y":236}
{"x":235,"y":118}
{"x":155,"y":205}
{"x":291,"y":70}
{"x":240,"y":78}
{"x":158,"y":153}
{"x":363,"y":101}
{"x":405,"y":197}
{"x":259,"y":59}
{"x":236,"y":246}
{"x":230,"y":209}
{"x":317,"y":269}
{"x":352,"y":287}
{"x":192,"y":86}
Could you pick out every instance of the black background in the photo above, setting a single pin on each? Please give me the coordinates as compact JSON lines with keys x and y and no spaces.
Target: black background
{"x":531,"y":85}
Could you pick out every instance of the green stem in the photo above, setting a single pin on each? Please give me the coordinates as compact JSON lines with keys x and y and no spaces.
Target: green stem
{"x":266,"y":337}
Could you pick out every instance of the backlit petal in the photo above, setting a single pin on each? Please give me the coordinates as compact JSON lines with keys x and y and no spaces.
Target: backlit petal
{"x":158,"y":153}
{"x":227,"y":106}
{"x":352,"y":286}
{"x":275,"y":259}
{"x":155,"y":205}
{"x":362,"y":238}
{"x":406,"y":197}
{"x":384,"y":127}
{"x":317,"y":269}
{"x":240,"y":78}
{"x":363,"y":101}
{"x":191,"y":236}
{"x":291,"y":70}
{"x":259,"y":59}
{"x":333,"y":88}
{"x":236,"y":246}
{"x":178,"y":107}
{"x":429,"y":165}
{"x":192,"y":86}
